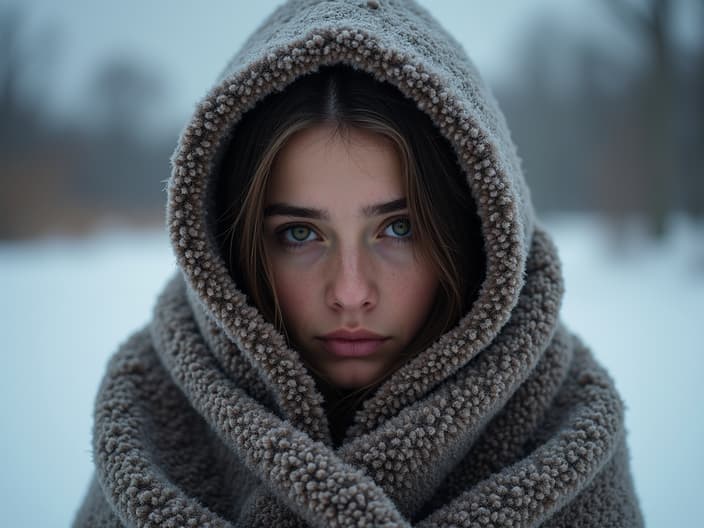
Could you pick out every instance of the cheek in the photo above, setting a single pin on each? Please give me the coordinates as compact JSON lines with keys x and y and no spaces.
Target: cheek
{"x":296,"y":289}
{"x":412,"y":291}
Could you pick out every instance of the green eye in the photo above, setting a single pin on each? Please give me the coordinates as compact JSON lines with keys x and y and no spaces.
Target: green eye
{"x":300,"y":233}
{"x":400,"y":228}
{"x":297,"y":235}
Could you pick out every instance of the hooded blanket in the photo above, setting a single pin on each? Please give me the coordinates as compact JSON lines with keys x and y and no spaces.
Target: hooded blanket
{"x":206,"y":417}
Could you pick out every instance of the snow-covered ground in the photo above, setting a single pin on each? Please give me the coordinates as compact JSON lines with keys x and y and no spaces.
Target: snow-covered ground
{"x":67,"y":304}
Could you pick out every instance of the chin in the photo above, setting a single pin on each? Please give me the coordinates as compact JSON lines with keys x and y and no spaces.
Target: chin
{"x":353,"y":376}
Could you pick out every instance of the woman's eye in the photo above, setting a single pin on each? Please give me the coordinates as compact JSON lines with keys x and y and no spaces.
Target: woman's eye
{"x":400,"y":228}
{"x":298,"y":234}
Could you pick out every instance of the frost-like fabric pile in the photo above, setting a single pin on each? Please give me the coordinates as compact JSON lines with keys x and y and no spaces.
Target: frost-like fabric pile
{"x":206,"y":418}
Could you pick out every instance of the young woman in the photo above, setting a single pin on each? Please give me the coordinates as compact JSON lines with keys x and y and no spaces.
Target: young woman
{"x":365,"y":327}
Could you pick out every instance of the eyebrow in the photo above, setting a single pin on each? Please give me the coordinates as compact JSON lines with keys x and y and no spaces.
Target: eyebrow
{"x":284,"y":209}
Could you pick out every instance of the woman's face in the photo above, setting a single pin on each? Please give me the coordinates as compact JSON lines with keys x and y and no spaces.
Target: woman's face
{"x":352,"y":292}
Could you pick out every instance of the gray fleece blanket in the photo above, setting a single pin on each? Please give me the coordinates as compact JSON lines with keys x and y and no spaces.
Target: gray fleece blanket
{"x":206,"y":417}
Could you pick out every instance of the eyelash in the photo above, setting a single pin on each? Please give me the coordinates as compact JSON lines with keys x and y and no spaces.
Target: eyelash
{"x":285,"y":229}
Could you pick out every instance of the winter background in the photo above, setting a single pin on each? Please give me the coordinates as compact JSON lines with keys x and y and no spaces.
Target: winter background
{"x":78,"y":276}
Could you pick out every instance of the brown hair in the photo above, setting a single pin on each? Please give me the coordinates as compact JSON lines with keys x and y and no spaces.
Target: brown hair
{"x":441,"y":209}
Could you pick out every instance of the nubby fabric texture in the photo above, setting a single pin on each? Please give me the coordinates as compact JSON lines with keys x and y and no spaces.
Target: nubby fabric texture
{"x":206,"y":417}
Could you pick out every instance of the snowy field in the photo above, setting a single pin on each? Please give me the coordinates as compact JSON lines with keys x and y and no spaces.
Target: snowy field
{"x":68,"y":303}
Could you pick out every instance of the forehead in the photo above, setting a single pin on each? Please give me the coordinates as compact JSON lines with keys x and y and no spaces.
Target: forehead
{"x":325,"y":168}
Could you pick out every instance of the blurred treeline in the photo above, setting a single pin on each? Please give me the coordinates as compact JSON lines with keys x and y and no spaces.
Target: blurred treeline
{"x":614,"y":130}
{"x":63,"y":174}
{"x":597,"y":129}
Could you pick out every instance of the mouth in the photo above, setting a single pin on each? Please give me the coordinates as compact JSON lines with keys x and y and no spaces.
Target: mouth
{"x":348,"y":344}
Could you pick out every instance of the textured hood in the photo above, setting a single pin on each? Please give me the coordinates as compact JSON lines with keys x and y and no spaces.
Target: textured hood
{"x":397,"y":42}
{"x":206,"y":417}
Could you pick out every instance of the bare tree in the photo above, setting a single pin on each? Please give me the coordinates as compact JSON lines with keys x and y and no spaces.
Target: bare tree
{"x":653,"y":112}
{"x":123,"y":93}
{"x":11,"y":61}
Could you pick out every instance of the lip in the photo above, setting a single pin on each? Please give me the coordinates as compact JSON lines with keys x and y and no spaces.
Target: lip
{"x":352,"y":335}
{"x":348,"y":344}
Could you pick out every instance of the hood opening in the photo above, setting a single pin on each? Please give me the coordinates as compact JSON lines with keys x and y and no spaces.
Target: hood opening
{"x":351,"y":98}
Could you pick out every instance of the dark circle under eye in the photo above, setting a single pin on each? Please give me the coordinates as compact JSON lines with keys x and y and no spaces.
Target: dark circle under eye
{"x":300,"y":233}
{"x":401,"y":227}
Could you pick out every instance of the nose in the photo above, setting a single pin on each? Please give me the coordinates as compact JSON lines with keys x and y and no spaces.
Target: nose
{"x":351,"y":285}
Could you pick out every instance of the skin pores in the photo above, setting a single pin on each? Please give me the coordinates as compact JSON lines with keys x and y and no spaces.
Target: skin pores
{"x":352,"y":291}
